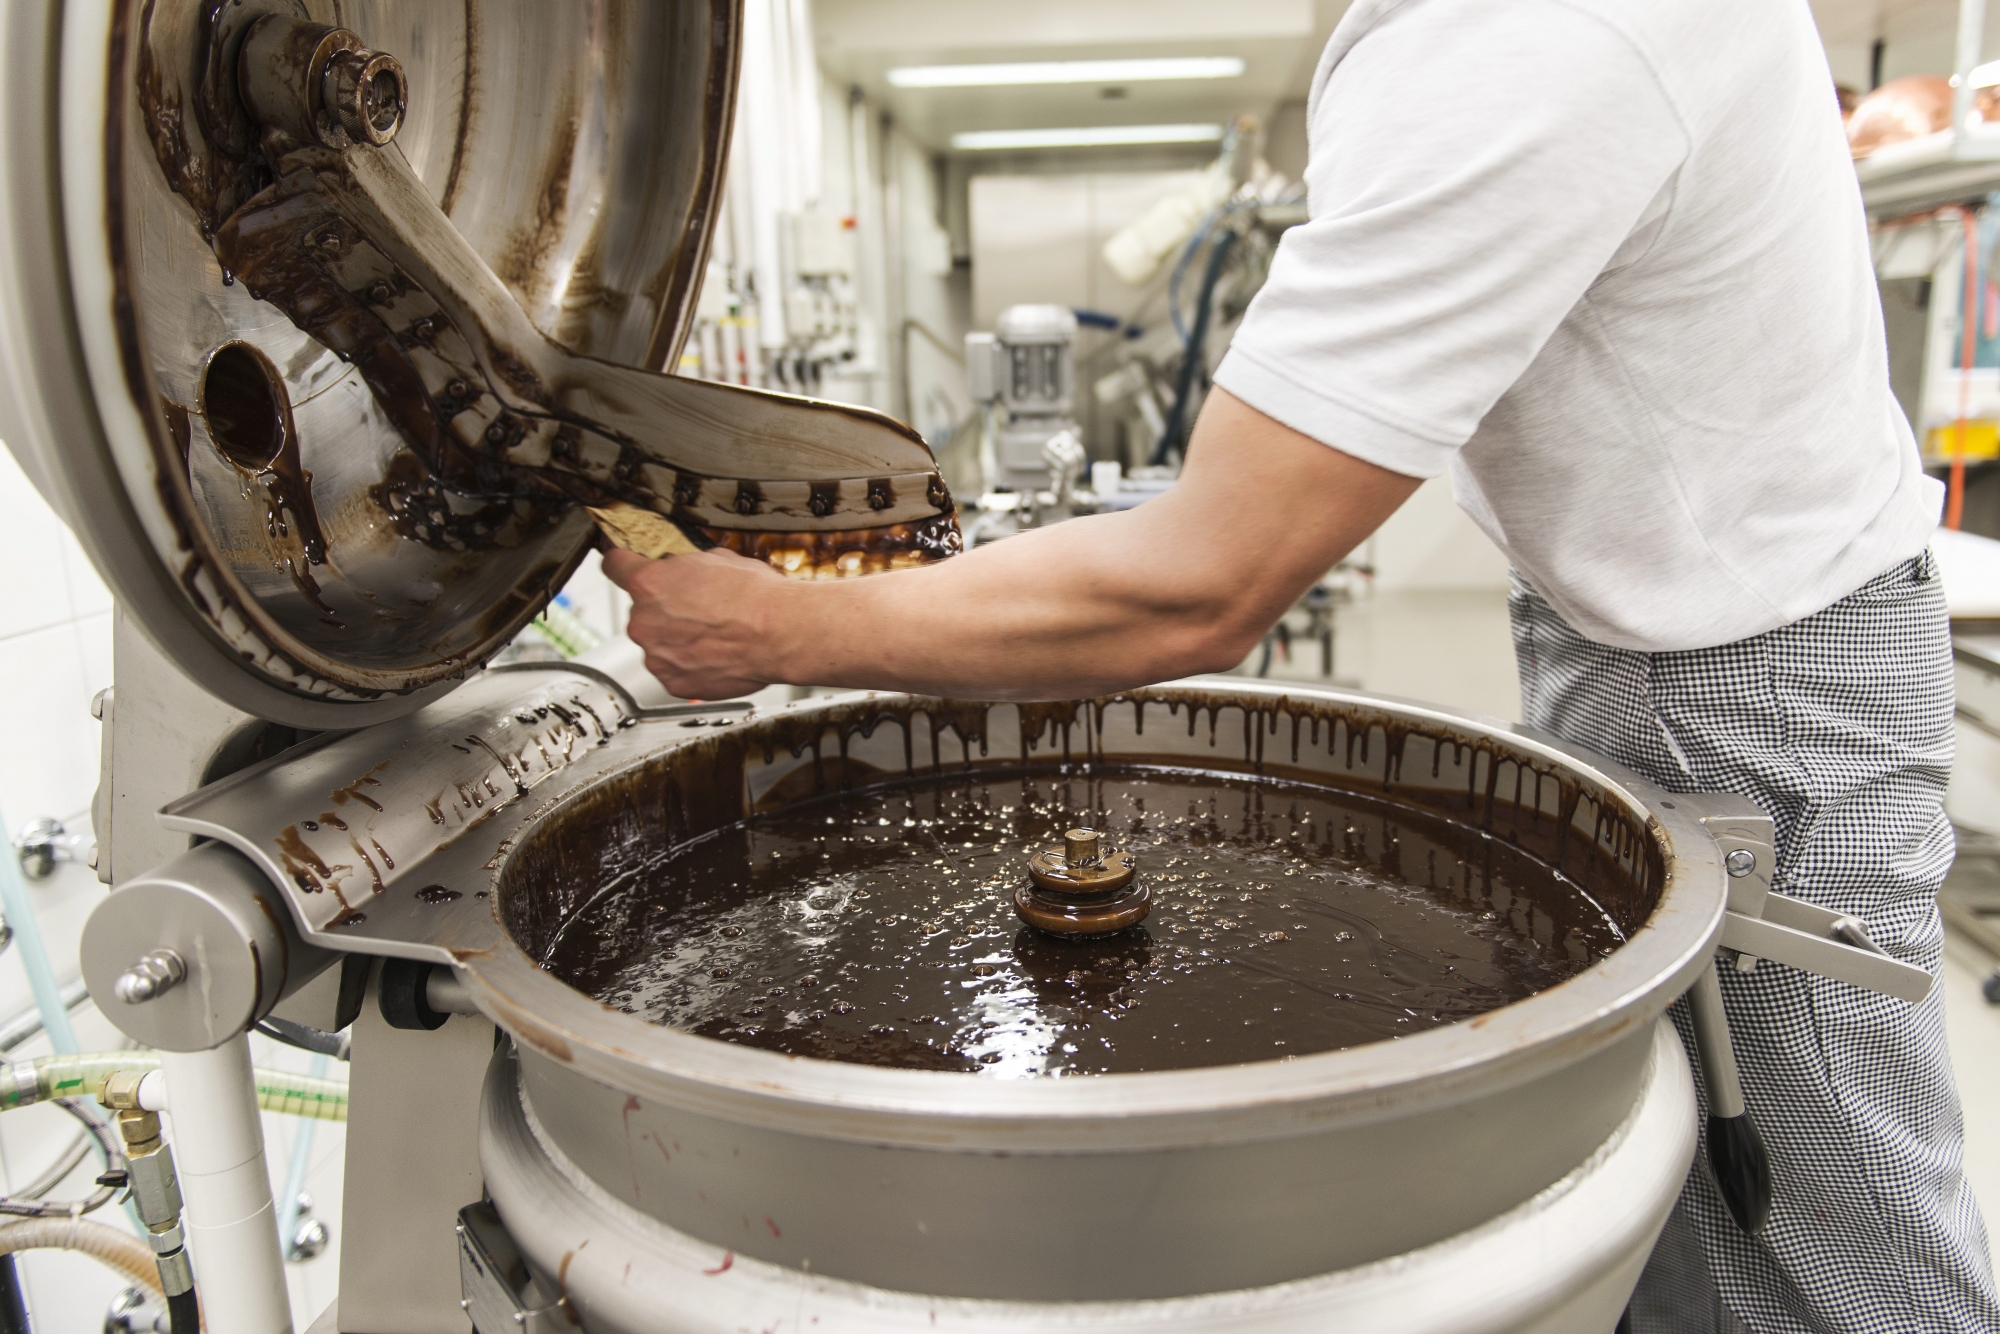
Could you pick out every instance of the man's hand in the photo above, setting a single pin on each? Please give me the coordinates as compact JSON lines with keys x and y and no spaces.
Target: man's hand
{"x":702,"y":619}
{"x":1186,"y":583}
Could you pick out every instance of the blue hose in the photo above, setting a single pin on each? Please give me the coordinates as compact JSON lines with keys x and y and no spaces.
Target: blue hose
{"x":295,"y":1174}
{"x":34,"y":955}
{"x":1191,"y":355}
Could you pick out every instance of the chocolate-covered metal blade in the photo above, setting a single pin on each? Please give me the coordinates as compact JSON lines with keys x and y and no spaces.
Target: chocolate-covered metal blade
{"x":350,"y":244}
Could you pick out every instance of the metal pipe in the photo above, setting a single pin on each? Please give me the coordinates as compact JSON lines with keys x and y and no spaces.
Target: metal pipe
{"x":445,"y":991}
{"x":232,"y":1226}
{"x":1712,"y":1046}
{"x":295,"y":1174}
{"x":870,"y":280}
{"x":156,"y":1195}
{"x":802,"y":60}
{"x":757,"y":112}
{"x":28,"y":1023}
{"x":895,"y":268}
{"x":20,"y":913}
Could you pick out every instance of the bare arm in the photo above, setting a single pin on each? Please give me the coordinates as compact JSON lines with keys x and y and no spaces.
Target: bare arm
{"x":1186,"y":583}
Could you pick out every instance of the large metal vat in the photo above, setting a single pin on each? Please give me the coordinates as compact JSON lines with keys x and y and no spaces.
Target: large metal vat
{"x":1115,"y":1188}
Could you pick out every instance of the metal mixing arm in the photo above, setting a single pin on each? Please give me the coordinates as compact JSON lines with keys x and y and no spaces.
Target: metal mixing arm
{"x":350,"y":244}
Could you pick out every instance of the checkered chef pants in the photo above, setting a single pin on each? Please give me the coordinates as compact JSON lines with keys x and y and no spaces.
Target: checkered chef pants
{"x":1840,"y":726}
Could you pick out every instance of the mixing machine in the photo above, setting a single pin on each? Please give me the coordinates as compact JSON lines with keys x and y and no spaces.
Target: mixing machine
{"x":328,"y":326}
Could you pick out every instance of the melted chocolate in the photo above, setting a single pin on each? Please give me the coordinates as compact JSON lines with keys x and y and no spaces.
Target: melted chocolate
{"x":878,"y":927}
{"x":425,"y":510}
{"x":207,"y":157}
{"x":853,"y":551}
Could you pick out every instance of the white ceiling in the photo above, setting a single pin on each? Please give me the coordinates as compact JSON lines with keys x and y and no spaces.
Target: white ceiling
{"x":1278,"y":40}
{"x":1846,"y":21}
{"x":1918,"y":36}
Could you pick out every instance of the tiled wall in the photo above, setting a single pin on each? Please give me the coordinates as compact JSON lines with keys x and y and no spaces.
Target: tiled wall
{"x":55,"y":653}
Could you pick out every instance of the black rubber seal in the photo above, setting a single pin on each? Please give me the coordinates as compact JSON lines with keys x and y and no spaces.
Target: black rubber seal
{"x":405,"y":1003}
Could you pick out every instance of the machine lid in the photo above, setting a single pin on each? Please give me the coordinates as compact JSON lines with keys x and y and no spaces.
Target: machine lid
{"x":321,"y":406}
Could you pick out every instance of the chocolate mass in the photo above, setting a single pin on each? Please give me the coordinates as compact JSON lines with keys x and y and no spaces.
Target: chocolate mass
{"x":878,"y":927}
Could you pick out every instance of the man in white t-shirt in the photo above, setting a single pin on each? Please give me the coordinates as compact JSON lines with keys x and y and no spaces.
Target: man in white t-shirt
{"x":1605,"y":261}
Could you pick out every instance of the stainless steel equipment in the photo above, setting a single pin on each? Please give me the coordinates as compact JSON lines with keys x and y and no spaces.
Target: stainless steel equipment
{"x":505,"y":806}
{"x":1299,"y":1167}
{"x":1024,"y":373}
{"x":325,"y":402}
{"x":547,"y":196}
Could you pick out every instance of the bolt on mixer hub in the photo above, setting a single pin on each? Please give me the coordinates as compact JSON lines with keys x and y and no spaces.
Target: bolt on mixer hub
{"x":1082,"y":889}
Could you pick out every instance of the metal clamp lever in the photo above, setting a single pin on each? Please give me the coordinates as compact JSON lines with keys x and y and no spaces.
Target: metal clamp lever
{"x":1822,"y":941}
{"x":1762,"y":924}
{"x":1759,"y":924}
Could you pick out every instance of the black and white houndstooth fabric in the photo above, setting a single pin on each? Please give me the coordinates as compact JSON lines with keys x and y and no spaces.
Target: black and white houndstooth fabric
{"x":1840,"y":726}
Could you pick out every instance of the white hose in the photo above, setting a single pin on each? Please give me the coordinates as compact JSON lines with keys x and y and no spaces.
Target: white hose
{"x":120,"y":1250}
{"x":26,"y":1083}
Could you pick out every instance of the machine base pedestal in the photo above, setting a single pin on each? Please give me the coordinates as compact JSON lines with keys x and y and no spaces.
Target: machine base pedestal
{"x":1564,"y":1262}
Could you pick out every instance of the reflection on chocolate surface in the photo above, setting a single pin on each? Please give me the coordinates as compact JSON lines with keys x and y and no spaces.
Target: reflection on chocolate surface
{"x":878,"y":926}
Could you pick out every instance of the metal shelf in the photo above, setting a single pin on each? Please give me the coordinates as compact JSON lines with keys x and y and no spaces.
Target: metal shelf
{"x":1944,"y":168}
{"x":1954,"y":166}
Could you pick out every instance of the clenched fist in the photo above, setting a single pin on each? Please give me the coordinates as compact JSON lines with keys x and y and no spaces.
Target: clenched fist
{"x":706,"y":621}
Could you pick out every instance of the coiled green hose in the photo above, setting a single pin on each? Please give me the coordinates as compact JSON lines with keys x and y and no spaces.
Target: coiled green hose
{"x":82,"y":1076}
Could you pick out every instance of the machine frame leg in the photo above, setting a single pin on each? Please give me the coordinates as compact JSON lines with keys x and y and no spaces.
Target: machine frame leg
{"x":218,"y":1139}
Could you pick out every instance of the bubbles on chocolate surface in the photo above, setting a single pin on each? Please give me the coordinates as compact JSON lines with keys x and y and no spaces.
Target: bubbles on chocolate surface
{"x":877,"y":927}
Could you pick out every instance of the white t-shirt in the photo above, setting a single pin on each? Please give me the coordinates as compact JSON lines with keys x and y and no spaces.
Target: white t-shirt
{"x":1605,"y":260}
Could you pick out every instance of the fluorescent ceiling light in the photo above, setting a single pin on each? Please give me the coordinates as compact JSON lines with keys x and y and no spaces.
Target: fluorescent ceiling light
{"x":1093,"y":136}
{"x":1066,"y":71}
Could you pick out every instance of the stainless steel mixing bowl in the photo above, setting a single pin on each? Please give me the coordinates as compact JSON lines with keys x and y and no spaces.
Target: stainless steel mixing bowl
{"x":1117,"y":1186}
